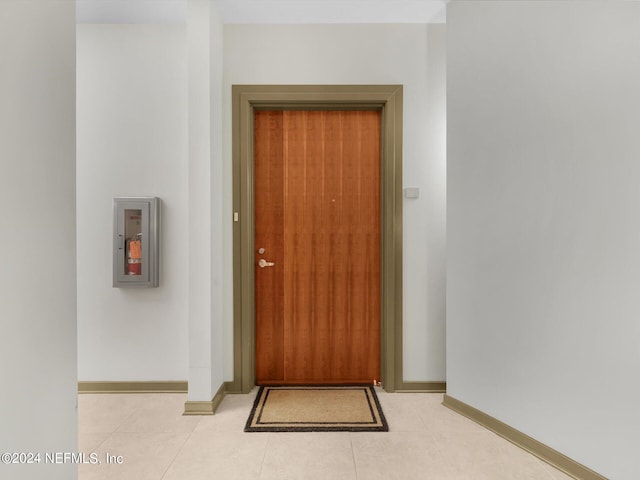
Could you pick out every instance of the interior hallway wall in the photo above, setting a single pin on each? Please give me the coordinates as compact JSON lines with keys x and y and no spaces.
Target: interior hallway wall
{"x":366,"y":54}
{"x":206,"y":250}
{"x":132,"y":141}
{"x":543,"y":231}
{"x":37,"y":246}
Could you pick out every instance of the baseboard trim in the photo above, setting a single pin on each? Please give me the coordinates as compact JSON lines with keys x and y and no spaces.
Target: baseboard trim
{"x":422,"y":387}
{"x":217,"y":398}
{"x":133,"y":387}
{"x":232,"y":387}
{"x":531,"y":445}
{"x":404,"y":387}
{"x":205,"y":407}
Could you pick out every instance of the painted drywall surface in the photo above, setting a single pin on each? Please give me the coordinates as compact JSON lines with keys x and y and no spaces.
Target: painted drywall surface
{"x":199,"y":192}
{"x":331,"y":11}
{"x":132,"y":141}
{"x":204,"y":35}
{"x":37,"y":247}
{"x":364,"y":54}
{"x":220,"y":288}
{"x":543,"y":231}
{"x":427,"y":334}
{"x":131,"y":11}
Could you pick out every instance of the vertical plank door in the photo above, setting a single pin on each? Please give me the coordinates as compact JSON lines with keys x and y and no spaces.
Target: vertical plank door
{"x":317,"y":217}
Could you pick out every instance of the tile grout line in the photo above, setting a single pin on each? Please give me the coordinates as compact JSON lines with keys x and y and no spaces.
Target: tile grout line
{"x":110,"y":434}
{"x":166,"y":470}
{"x":353,"y":455}
{"x":95,"y":449}
{"x":134,"y":414}
{"x":264,"y":455}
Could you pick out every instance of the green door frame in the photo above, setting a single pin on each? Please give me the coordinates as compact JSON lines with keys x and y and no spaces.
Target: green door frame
{"x":246,"y":99}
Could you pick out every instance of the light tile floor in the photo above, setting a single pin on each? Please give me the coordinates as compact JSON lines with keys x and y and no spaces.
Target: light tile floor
{"x":425,"y":441}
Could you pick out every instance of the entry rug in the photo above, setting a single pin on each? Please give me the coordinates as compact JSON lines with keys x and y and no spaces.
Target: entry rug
{"x":316,"y":409}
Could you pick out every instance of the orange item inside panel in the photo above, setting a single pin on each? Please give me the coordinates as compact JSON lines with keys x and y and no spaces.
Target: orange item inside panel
{"x":135,"y":249}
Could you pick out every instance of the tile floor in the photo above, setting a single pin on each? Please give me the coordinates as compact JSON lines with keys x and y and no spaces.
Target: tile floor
{"x":425,"y":441}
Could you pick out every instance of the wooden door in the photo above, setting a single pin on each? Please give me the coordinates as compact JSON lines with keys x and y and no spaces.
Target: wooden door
{"x":317,"y":217}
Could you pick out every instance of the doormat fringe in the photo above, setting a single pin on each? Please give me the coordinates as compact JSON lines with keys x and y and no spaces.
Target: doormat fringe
{"x":339,"y":408}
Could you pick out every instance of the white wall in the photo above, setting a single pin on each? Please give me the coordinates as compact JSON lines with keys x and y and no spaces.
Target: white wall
{"x":221,"y":288}
{"x":204,"y":34}
{"x":37,"y":245}
{"x":365,"y":54}
{"x":543,"y":230}
{"x":132,"y":141}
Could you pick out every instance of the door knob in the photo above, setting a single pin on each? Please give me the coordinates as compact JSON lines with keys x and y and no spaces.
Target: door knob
{"x":263,"y":263}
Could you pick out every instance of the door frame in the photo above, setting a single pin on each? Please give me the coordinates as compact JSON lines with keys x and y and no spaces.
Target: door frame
{"x":245,"y":100}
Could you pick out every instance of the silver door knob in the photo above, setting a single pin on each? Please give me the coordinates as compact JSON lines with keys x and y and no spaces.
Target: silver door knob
{"x":263,"y":263}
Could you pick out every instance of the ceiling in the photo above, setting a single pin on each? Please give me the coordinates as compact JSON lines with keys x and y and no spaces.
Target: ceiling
{"x":266,"y":11}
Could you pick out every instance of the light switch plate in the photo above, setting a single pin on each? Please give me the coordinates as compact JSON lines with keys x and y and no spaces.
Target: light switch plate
{"x":412,"y":192}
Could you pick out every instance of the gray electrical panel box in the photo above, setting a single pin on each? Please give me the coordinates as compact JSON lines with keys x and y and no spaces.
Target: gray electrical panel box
{"x":136,"y":232}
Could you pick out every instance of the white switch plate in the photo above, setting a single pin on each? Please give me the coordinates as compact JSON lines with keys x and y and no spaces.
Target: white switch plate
{"x":412,"y":192}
